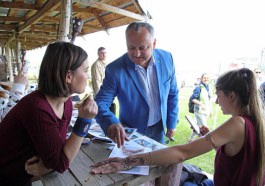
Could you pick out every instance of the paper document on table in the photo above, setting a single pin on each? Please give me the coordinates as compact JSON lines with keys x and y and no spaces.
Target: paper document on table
{"x":148,"y":142}
{"x":130,"y":148}
{"x":130,"y":132}
{"x":95,"y":130}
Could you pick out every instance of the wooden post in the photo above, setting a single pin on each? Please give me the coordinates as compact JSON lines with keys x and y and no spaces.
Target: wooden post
{"x":65,"y":20}
{"x":17,"y":54}
{"x":9,"y":62}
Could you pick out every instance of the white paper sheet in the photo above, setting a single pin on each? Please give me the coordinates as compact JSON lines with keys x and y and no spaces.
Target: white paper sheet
{"x":130,"y":148}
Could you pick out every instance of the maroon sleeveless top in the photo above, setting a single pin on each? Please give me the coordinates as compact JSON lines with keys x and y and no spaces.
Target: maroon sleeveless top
{"x":241,"y":169}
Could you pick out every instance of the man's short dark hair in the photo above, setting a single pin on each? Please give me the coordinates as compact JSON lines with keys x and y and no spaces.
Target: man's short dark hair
{"x":137,"y":25}
{"x":101,"y":48}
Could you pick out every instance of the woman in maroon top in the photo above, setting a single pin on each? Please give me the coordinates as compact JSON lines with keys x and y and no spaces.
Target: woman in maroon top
{"x":33,"y":134}
{"x":239,"y":141}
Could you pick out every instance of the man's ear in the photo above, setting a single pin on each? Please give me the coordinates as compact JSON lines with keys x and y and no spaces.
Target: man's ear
{"x":69,"y":76}
{"x":154,"y":43}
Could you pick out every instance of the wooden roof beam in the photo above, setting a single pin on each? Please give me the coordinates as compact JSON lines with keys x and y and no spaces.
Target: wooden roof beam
{"x":48,"y":6}
{"x":44,"y":28}
{"x":12,"y":18}
{"x":87,"y":26}
{"x":7,"y":27}
{"x":51,"y":19}
{"x":136,"y":4}
{"x":37,"y":33}
{"x":112,"y":9}
{"x":19,"y":5}
{"x":100,"y":20}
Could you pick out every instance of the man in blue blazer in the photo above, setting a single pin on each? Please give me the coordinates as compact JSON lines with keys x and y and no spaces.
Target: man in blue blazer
{"x":144,"y":82}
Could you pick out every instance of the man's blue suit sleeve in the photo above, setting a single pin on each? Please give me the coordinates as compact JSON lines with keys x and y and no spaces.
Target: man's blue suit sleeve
{"x":104,"y":99}
{"x":173,"y":99}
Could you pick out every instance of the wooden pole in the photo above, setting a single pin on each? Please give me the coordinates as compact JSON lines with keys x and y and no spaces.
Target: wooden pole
{"x":65,"y":19}
{"x":17,"y":53}
{"x":9,"y":62}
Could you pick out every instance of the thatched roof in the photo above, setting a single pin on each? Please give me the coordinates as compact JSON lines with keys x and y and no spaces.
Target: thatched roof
{"x":35,"y":23}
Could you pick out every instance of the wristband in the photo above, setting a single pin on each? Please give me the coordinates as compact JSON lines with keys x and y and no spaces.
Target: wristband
{"x":82,"y":126}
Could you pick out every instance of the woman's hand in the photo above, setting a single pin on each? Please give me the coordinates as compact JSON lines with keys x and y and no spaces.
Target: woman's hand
{"x":88,"y":108}
{"x":111,"y":165}
{"x":35,"y":167}
{"x":21,"y":77}
{"x":204,"y":130}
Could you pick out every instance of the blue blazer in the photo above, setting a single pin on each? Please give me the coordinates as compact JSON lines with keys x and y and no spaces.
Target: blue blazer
{"x":121,"y":80}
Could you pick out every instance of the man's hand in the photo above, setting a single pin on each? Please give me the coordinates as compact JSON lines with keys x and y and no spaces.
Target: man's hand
{"x":117,"y":134}
{"x":35,"y":167}
{"x":170,"y":133}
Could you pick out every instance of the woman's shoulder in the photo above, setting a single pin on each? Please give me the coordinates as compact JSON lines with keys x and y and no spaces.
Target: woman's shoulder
{"x":34,"y":95}
{"x":234,"y":125}
{"x":34,"y":99}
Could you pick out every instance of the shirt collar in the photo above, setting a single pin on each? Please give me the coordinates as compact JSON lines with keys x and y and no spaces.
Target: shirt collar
{"x":150,"y":64}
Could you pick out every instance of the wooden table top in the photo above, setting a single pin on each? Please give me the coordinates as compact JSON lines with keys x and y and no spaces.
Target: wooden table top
{"x":79,"y":170}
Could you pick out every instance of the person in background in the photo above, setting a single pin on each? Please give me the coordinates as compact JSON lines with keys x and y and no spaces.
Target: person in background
{"x":98,"y":74}
{"x":144,"y":81}
{"x":239,"y":141}
{"x":259,"y":77}
{"x":262,"y":93}
{"x":98,"y":70}
{"x":9,"y":96}
{"x":201,"y":98}
{"x":33,"y":134}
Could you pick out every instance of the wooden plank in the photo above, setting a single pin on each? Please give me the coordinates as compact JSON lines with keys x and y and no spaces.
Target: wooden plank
{"x":49,"y":6}
{"x":58,"y":179}
{"x":154,"y":173}
{"x":112,"y":9}
{"x":19,"y":5}
{"x":98,"y":152}
{"x":81,"y":168}
{"x":165,"y":174}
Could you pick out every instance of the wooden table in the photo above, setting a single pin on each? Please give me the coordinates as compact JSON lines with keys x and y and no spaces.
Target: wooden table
{"x":79,"y":171}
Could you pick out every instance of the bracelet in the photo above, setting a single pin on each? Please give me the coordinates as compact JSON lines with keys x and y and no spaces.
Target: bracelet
{"x":150,"y":159}
{"x":82,"y":126}
{"x":208,"y":137}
